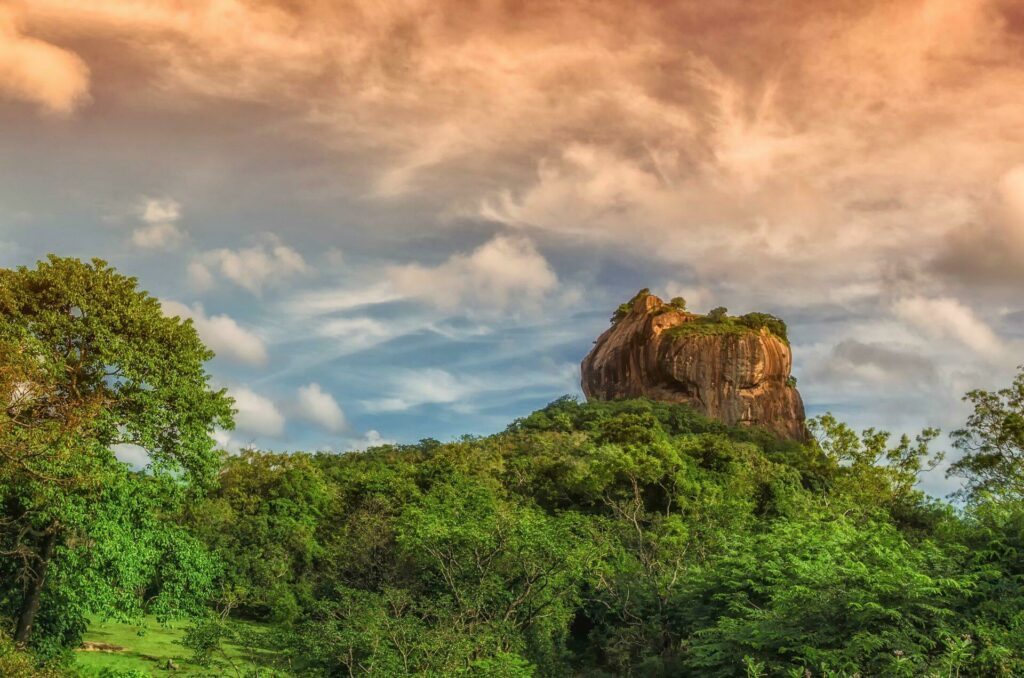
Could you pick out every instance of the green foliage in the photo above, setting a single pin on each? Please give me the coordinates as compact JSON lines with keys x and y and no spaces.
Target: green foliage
{"x":717,"y":322}
{"x":717,"y":314}
{"x":617,"y":538}
{"x":623,"y":309}
{"x":992,"y":443}
{"x":779,"y":594}
{"x":757,"y":321}
{"x":605,"y":538}
{"x":15,"y":663}
{"x":88,"y":362}
{"x":261,"y":522}
{"x":701,"y":326}
{"x":219,"y":643}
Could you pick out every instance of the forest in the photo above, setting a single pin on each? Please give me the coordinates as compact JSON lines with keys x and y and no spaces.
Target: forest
{"x":627,"y":538}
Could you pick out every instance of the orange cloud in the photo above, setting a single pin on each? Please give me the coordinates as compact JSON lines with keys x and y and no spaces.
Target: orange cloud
{"x":829,"y":136}
{"x":55,"y":79}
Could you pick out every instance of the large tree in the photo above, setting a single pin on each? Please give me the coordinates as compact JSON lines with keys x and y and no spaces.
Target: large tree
{"x":89,"y":362}
{"x":992,"y":443}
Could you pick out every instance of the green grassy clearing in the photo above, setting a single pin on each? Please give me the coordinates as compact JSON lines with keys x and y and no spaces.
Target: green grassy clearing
{"x":149,"y":645}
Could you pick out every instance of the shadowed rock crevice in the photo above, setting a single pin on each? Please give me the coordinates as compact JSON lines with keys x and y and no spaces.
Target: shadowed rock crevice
{"x":736,"y":374}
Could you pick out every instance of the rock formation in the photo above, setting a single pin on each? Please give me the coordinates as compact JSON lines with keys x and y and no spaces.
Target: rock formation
{"x":730,"y":371}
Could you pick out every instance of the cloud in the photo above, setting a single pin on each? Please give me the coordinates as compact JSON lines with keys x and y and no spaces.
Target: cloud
{"x":590,"y":120}
{"x":233,"y":444}
{"x":1011,"y":191}
{"x":696,"y":297}
{"x":505,"y":272}
{"x":320,"y":408}
{"x":338,"y":299}
{"x":222,"y":334}
{"x":948,"y":317}
{"x":160,"y":210}
{"x":158,"y":237}
{"x":421,"y":387}
{"x":632,"y":138}
{"x":161,"y":231}
{"x":465,"y":392}
{"x":354,"y":334}
{"x":251,"y":268}
{"x":989,"y":249}
{"x":256,"y":414}
{"x":55,"y":79}
{"x":879,"y":364}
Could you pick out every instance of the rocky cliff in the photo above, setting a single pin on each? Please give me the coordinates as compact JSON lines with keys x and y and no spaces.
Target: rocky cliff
{"x":735,"y":370}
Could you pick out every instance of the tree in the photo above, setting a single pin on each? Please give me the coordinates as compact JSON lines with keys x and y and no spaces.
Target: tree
{"x":89,"y":362}
{"x":992,"y":442}
{"x":718,"y":314}
{"x":870,"y":466}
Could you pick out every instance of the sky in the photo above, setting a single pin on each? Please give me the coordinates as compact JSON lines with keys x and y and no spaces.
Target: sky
{"x":408,"y":219}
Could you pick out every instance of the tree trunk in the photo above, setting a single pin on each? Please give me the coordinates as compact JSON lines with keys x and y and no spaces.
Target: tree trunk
{"x":30,"y":606}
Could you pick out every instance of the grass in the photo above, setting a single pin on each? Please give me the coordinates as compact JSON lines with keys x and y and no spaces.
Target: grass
{"x":149,"y":646}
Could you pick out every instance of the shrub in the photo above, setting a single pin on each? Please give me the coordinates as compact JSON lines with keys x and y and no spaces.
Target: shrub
{"x":773,"y":324}
{"x":623,"y":310}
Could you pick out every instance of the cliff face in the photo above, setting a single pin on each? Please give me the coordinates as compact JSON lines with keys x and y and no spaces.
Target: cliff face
{"x":737,"y":377}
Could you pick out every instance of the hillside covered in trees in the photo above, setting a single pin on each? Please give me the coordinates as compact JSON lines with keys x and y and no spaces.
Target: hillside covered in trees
{"x":611,"y":538}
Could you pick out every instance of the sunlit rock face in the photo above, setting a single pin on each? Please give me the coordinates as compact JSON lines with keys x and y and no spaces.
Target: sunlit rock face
{"x":739,"y":377}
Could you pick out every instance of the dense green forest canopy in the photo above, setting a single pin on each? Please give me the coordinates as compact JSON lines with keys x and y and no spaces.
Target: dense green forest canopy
{"x":599,"y":539}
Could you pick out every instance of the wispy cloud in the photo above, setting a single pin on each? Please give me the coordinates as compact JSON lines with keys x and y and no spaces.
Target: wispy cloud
{"x":948,"y":317}
{"x":506,"y":272}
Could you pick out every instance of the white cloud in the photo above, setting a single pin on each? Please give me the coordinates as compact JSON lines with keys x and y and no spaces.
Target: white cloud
{"x":320,"y":302}
{"x":421,"y":387}
{"x":231,"y":443}
{"x":32,"y":70}
{"x":251,"y":268}
{"x":317,"y":406}
{"x":161,"y":231}
{"x":256,"y":414}
{"x":160,"y":210}
{"x":222,"y":334}
{"x":158,"y":237}
{"x":947,"y":317}
{"x":199,"y":276}
{"x":697,"y":297}
{"x":464,"y":392}
{"x":505,"y":272}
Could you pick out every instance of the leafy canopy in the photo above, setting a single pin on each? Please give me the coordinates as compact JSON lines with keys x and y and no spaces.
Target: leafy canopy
{"x":89,"y":362}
